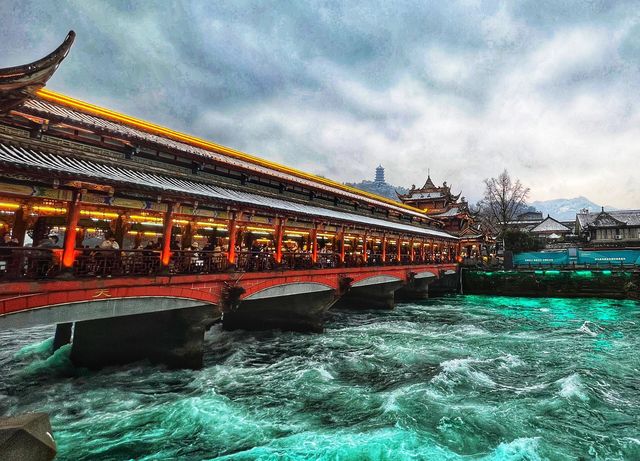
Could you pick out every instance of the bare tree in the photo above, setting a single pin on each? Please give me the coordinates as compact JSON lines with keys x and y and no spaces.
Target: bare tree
{"x":503,"y":200}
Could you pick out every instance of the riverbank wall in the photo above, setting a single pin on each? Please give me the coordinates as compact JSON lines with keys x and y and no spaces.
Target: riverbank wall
{"x":572,"y":283}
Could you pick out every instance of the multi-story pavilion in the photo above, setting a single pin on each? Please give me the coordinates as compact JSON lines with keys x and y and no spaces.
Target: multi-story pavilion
{"x":452,"y":211}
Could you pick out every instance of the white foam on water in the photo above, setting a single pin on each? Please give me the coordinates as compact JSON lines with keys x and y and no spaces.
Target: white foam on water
{"x":472,"y":330}
{"x":593,"y":331}
{"x":390,"y":404}
{"x":572,"y":387}
{"x":524,"y":448}
{"x":453,"y":369}
{"x":509,"y":361}
{"x":324,"y":373}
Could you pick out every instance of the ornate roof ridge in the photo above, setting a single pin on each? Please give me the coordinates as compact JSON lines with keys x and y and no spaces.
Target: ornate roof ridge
{"x":18,"y":83}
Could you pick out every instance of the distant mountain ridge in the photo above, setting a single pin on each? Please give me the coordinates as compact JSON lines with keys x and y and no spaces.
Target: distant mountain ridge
{"x":565,"y":209}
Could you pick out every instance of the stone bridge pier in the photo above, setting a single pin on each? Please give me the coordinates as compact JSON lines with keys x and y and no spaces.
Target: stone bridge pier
{"x":174,"y":338}
{"x":106,"y":332}
{"x":417,"y":287}
{"x":291,"y":307}
{"x":376,"y":292}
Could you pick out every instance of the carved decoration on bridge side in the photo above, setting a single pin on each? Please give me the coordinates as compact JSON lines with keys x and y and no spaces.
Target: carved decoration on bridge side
{"x":344,"y":283}
{"x":230,"y":296}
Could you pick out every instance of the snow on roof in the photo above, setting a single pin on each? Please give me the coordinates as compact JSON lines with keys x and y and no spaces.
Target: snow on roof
{"x":550,"y":225}
{"x":628,"y":217}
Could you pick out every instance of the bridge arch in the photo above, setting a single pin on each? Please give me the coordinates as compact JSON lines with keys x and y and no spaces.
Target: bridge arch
{"x":95,"y":309}
{"x":425,"y":275}
{"x":376,"y":280}
{"x":288,"y":289}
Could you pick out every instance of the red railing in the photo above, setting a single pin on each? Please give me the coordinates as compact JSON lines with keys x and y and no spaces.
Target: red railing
{"x":33,"y":263}
{"x":293,"y":261}
{"x":198,"y":262}
{"x":44,"y":263}
{"x":255,"y":261}
{"x":105,"y":263}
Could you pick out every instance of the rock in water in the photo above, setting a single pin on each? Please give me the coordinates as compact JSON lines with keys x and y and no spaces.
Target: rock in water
{"x":26,"y":438}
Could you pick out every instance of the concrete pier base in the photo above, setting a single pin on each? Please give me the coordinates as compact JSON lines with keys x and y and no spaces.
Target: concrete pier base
{"x":373,"y":296}
{"x":27,"y":438}
{"x":415,"y":290}
{"x":173,"y":338}
{"x":448,"y":283}
{"x":63,"y":335}
{"x":289,"y":307}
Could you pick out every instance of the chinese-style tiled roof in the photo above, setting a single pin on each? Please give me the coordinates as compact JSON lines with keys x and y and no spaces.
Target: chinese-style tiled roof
{"x":20,"y":82}
{"x":428,"y":192}
{"x":68,"y":110}
{"x":453,"y":211}
{"x":429,"y":183}
{"x":550,"y":225}
{"x":16,"y":156}
{"x":609,"y":218}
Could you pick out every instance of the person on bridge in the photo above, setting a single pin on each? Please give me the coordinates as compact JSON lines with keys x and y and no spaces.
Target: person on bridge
{"x":50,"y":242}
{"x":110,"y":244}
{"x":6,"y":252}
{"x":175,"y":245}
{"x":44,"y":260}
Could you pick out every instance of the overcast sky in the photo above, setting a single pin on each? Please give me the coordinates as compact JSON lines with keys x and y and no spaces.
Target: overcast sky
{"x":548,"y":89}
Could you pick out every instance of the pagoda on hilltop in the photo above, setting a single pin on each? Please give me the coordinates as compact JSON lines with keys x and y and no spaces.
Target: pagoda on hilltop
{"x":451,"y":210}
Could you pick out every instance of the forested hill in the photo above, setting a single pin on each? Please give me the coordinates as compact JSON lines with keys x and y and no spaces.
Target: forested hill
{"x":385,"y":190}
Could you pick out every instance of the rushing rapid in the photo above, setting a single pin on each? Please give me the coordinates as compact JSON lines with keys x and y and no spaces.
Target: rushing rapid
{"x":480,"y":378}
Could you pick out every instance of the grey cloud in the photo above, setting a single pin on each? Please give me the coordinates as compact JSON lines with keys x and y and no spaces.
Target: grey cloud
{"x":545,"y":88}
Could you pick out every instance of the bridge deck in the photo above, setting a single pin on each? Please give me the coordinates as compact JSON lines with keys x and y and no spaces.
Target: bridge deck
{"x":208,"y":288}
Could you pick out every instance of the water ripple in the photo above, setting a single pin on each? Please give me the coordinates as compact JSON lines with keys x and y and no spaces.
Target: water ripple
{"x":459,"y":378}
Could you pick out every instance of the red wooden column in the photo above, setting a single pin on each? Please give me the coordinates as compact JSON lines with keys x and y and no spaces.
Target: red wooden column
{"x":279,"y":235}
{"x":342,"y":246}
{"x":422,"y":252}
{"x":73,"y":215}
{"x":233,"y":230}
{"x":167,"y":227}
{"x":411,"y":252}
{"x":384,"y":248}
{"x":433,"y":251}
{"x":364,"y":248}
{"x":313,"y":240}
{"x":399,"y":249}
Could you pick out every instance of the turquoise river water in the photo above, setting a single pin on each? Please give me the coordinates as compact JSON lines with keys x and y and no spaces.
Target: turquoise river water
{"x":459,"y":378}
